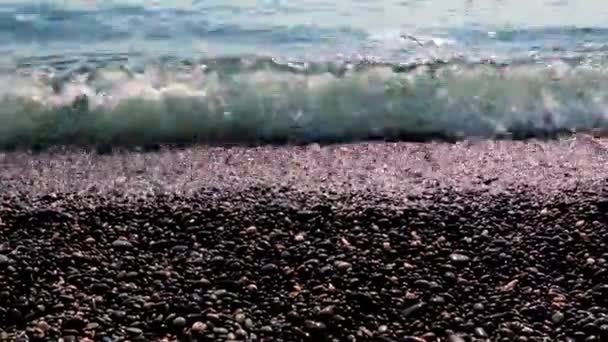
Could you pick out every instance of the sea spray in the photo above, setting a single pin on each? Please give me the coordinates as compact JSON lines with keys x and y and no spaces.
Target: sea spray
{"x":269,"y":102}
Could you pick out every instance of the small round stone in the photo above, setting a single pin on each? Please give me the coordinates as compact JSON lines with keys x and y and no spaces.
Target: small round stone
{"x":122,"y":244}
{"x":43,"y":326}
{"x":411,"y":339}
{"x":478,"y":307}
{"x":220,"y":331}
{"x":557,"y":317}
{"x":132,"y":331}
{"x":248,"y":323}
{"x":343,"y":266}
{"x":455,"y":338}
{"x":459,"y":258}
{"x":179,"y":322}
{"x":314,"y":325}
{"x":270,"y":268}
{"x":240,"y":318}
{"x":198,"y":327}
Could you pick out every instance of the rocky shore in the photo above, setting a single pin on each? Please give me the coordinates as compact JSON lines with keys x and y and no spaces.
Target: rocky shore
{"x":489,"y":241}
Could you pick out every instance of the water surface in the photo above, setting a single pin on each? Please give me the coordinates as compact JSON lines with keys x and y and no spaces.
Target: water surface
{"x":213,"y":70}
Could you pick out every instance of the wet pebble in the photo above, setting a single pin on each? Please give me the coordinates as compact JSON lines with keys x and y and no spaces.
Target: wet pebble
{"x":198,"y":327}
{"x":270,"y":268}
{"x":455,"y":338}
{"x":179,"y":322}
{"x":220,"y":331}
{"x":481,"y":332}
{"x":134,"y":331}
{"x":343,"y":266}
{"x":459,"y":258}
{"x":314,"y":326}
{"x":557,"y":317}
{"x":411,"y":339}
{"x":122,"y":244}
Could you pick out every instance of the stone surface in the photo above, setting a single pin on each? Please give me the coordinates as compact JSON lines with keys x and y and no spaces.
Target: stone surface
{"x":349,"y":243}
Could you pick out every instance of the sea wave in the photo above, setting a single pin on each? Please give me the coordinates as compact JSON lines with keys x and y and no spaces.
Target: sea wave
{"x":263,"y":100}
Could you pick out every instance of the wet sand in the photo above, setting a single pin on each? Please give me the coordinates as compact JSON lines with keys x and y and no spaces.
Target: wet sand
{"x":498,"y":241}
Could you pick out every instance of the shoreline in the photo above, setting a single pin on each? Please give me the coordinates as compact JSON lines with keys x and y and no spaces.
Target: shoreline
{"x":398,"y":168}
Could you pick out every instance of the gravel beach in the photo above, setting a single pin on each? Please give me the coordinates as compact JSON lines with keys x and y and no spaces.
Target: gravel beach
{"x":474,"y":241}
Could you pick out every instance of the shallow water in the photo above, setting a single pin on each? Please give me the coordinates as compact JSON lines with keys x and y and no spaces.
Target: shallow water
{"x":309,"y":28}
{"x":163,"y":71}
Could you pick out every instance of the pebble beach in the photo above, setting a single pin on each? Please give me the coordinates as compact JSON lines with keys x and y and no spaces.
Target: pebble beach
{"x":472,"y":241}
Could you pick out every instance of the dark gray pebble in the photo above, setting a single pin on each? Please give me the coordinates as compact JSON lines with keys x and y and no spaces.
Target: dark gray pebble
{"x":411,"y":339}
{"x":557,"y":317}
{"x":220,"y":331}
{"x":270,"y":268}
{"x":179,"y":322}
{"x":413,"y":309}
{"x":134,"y":331}
{"x":455,"y":338}
{"x":122,"y":244}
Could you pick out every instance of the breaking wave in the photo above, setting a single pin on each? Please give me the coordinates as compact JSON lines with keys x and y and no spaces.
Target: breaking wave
{"x":258,"y":100}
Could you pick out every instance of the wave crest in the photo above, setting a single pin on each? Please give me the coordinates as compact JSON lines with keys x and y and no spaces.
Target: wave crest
{"x":258,"y":100}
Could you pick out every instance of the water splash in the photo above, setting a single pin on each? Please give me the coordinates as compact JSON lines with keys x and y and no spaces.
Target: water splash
{"x":252,"y":100}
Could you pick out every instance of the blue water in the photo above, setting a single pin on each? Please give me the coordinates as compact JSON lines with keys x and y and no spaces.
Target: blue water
{"x":120,"y":71}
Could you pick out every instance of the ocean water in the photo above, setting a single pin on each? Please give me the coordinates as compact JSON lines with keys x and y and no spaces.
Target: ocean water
{"x":91,"y":72}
